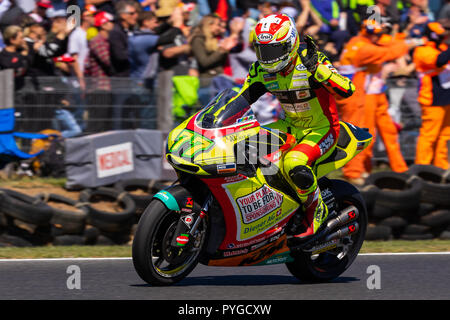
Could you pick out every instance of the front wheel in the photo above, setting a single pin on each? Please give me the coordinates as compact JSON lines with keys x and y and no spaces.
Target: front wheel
{"x":156,"y":261}
{"x":328,"y":265}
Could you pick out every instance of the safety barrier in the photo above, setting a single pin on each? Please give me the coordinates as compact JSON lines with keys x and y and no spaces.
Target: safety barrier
{"x":122,"y":103}
{"x":106,"y":104}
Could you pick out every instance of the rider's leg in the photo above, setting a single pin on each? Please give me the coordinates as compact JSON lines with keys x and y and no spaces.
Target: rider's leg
{"x":298,"y":167}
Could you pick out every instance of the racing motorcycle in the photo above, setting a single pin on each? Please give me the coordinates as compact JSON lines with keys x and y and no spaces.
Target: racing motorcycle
{"x":232,"y":205}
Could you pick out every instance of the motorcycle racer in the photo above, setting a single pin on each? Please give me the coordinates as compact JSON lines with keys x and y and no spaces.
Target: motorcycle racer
{"x":305,"y":82}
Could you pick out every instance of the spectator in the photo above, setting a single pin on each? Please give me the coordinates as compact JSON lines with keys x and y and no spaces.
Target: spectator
{"x":210,"y":53}
{"x":266,"y":7}
{"x":78,"y":44}
{"x":361,"y":60}
{"x":43,"y":50}
{"x":78,"y":49}
{"x":445,"y":12}
{"x":142,"y":44}
{"x":11,"y":16}
{"x":39,"y":13}
{"x":432,"y":62}
{"x":127,"y":14}
{"x":63,"y":120}
{"x":377,"y":118}
{"x":118,"y":38}
{"x":102,"y":5}
{"x":308,"y":22}
{"x":414,"y":21}
{"x":173,"y":61}
{"x":99,"y":66}
{"x":148,"y":5}
{"x":241,"y":61}
{"x":331,"y":31}
{"x":47,"y":45}
{"x":15,"y":54}
{"x":143,"y":55}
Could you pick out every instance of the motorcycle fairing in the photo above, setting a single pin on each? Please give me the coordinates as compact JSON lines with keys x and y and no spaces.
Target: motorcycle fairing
{"x":252,"y":236}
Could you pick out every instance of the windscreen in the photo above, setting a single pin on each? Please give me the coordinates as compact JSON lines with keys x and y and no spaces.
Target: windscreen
{"x":218,"y":113}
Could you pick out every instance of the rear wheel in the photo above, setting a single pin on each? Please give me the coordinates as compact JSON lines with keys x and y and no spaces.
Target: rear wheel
{"x":156,"y":261}
{"x":330,"y":264}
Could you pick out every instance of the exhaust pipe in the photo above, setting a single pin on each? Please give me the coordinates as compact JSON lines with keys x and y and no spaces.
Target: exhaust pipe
{"x":348,"y":214}
{"x":343,"y":232}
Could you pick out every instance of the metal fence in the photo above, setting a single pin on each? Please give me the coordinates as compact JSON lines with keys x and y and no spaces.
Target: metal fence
{"x":121,"y":103}
{"x":106,"y":104}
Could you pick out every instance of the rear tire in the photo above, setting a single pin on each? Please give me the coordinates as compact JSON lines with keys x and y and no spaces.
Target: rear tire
{"x":327,"y":266}
{"x":151,"y":247}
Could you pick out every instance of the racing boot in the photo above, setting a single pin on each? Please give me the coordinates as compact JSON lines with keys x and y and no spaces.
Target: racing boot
{"x":316,"y":211}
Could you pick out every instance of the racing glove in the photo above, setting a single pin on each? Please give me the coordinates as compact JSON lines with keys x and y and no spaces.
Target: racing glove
{"x":310,"y":59}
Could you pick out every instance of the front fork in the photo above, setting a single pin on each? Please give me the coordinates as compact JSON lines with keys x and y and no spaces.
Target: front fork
{"x":188,"y":224}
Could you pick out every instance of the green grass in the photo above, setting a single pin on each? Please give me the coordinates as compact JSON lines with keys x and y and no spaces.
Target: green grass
{"x":65,"y":252}
{"x":125,"y":250}
{"x":32,"y":182}
{"x":434,"y":245}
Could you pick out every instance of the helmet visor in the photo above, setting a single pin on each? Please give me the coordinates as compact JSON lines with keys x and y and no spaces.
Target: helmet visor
{"x":270,"y":53}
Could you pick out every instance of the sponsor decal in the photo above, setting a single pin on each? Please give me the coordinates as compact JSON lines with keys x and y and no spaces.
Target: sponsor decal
{"x":188,"y":220}
{"x":186,"y":210}
{"x":332,"y":69}
{"x":234,"y":178}
{"x":326,"y":193}
{"x":277,"y":156}
{"x":235,"y":252}
{"x":189,"y":203}
{"x":263,"y":253}
{"x":246,"y":119}
{"x":300,"y":83}
{"x":360,"y":145}
{"x":325,"y":247}
{"x":288,"y":107}
{"x":278,"y":259}
{"x":114,"y":160}
{"x":302,"y":75}
{"x":297,"y":107}
{"x":265,"y":37}
{"x":300,"y":67}
{"x":226,"y":168}
{"x":272,"y":86}
{"x":326,"y":144}
{"x":259,"y":245}
{"x":270,"y":77}
{"x":182,"y":240}
{"x":302,"y":107}
{"x":259,"y":203}
{"x":303,"y":94}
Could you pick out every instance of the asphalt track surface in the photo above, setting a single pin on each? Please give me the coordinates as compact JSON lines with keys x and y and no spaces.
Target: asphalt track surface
{"x":402,"y":276}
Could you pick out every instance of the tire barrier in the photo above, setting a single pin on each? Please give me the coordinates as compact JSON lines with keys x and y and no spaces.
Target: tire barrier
{"x":140,"y":190}
{"x":410,"y":206}
{"x":414,"y":205}
{"x":101,"y":216}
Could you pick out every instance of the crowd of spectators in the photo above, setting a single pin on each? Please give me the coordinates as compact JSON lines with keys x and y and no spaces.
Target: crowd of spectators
{"x":187,"y":49}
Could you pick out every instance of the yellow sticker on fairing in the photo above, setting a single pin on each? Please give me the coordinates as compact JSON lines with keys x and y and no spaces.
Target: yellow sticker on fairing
{"x":258,"y":206}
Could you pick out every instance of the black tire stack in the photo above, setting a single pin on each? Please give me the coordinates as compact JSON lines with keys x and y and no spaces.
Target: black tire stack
{"x":49,"y":218}
{"x":414,"y":205}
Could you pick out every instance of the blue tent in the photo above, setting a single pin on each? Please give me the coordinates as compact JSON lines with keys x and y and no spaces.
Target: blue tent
{"x":9,"y":151}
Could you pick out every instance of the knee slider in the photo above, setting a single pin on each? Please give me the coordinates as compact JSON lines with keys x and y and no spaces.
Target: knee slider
{"x":302,"y":176}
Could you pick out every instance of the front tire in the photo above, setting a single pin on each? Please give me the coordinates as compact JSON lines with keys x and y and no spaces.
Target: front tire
{"x":155,"y":260}
{"x":327,"y":265}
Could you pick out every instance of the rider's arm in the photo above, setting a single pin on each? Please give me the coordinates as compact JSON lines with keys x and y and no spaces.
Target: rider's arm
{"x":253,"y":87}
{"x":328,"y":76}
